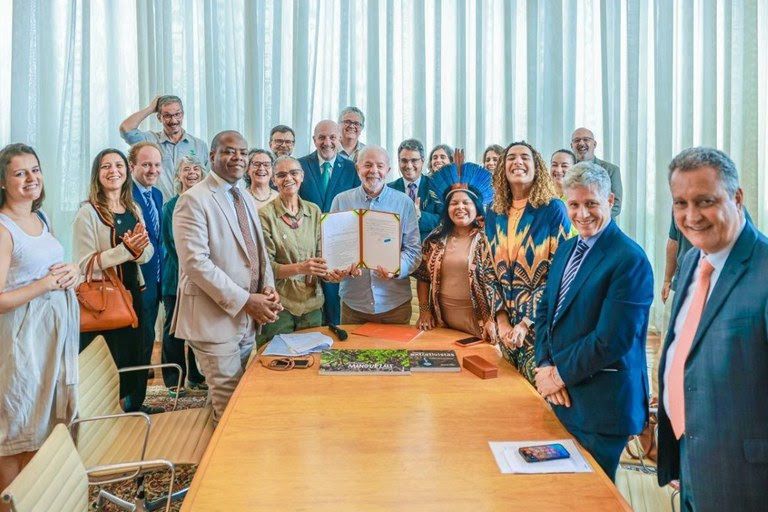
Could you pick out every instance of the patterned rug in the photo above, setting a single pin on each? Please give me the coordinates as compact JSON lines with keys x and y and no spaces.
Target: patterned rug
{"x":156,"y":483}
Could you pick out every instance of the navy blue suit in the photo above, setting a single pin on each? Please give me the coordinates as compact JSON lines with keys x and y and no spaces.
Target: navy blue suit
{"x":726,"y":377}
{"x":597,"y":342}
{"x":151,"y":271}
{"x":431,"y":210}
{"x":343,"y":177}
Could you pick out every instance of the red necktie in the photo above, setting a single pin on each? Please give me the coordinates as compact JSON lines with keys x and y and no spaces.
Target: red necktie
{"x":676,"y":377}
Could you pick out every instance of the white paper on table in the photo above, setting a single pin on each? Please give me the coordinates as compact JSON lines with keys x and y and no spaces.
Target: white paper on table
{"x":509,"y":460}
{"x":340,"y":235}
{"x":297,"y":344}
{"x":307,"y":342}
{"x":381,"y":240}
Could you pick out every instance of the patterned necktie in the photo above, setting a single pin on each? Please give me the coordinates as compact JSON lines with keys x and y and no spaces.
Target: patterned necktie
{"x":152,"y":209}
{"x":570,"y":273}
{"x":412,"y":191}
{"x":250,"y":246}
{"x":676,"y":377}
{"x":326,"y":175}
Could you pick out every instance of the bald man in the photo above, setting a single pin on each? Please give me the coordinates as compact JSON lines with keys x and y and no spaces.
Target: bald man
{"x":327,"y":174}
{"x":583,"y":144}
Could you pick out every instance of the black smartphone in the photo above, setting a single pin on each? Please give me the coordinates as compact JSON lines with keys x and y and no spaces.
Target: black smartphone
{"x":468,"y":342}
{"x":543,"y":452}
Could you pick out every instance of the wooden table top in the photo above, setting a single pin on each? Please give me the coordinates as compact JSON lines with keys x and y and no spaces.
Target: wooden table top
{"x":297,"y":440}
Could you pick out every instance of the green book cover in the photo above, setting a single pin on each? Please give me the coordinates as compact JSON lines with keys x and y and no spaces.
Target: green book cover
{"x":434,"y":361}
{"x":364,"y":362}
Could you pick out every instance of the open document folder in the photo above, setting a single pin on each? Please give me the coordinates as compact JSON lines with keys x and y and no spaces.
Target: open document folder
{"x":297,"y":344}
{"x":364,"y":238}
{"x":509,"y":459}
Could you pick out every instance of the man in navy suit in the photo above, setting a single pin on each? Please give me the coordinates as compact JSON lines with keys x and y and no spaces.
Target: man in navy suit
{"x":410,"y":156}
{"x":146,"y":162}
{"x":592,"y":322}
{"x":713,"y":373}
{"x":326,"y":174}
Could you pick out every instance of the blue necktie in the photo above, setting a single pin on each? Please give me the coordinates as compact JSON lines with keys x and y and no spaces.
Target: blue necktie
{"x":153,"y":219}
{"x":412,"y":191}
{"x":570,"y":273}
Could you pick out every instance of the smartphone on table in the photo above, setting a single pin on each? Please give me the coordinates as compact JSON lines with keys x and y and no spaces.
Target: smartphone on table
{"x":468,"y":342}
{"x":543,"y":452}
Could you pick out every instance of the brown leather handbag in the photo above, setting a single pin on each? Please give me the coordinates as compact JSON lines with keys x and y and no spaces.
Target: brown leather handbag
{"x":645,"y":445}
{"x":104,"y":304}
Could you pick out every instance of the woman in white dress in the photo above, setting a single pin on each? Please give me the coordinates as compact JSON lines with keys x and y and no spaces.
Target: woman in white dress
{"x":39,"y":317}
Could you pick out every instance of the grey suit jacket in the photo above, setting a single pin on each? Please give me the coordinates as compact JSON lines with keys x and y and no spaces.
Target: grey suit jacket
{"x":616,"y":188}
{"x":726,"y":380}
{"x":214,"y":266}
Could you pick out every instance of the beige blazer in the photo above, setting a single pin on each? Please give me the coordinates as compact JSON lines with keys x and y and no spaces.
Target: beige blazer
{"x":214,"y":267}
{"x":93,"y":234}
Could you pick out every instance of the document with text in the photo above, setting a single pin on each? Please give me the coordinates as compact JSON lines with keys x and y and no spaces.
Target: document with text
{"x":365,"y":238}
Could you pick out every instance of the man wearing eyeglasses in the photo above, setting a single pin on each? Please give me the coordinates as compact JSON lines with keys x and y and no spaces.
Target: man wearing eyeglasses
{"x":174,"y":141}
{"x":351,"y":122}
{"x":583,"y":144}
{"x":282,"y":140}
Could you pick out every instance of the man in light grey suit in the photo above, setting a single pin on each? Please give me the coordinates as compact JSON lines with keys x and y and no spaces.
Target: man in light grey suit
{"x":713,"y":373}
{"x":226,"y":287}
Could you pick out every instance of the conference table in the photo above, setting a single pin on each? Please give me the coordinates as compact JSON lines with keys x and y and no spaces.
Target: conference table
{"x":296,"y":440}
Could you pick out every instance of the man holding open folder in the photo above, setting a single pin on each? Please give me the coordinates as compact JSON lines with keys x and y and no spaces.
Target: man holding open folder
{"x":378,"y":294}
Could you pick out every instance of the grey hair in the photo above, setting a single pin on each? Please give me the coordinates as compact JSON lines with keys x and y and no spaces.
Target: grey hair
{"x":188,"y":160}
{"x":586,"y":174}
{"x":352,"y":110}
{"x":286,"y":158}
{"x":168,"y":100}
{"x":251,"y":153}
{"x":411,"y":145}
{"x":700,"y":156}
{"x":368,"y":149}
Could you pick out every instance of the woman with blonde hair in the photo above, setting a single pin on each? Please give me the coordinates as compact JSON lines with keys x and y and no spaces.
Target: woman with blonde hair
{"x":110,"y":224}
{"x":525,"y":225}
{"x":39,"y":317}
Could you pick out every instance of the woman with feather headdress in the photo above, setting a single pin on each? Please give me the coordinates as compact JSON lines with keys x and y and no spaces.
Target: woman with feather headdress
{"x":457,"y":285}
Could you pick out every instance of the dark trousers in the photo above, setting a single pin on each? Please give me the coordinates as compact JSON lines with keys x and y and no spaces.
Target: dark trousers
{"x":605,"y":448}
{"x":687,"y":503}
{"x":332,"y":306}
{"x":174,"y":351}
{"x":151,"y":304}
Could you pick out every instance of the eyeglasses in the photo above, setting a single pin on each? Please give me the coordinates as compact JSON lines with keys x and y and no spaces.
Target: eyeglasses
{"x":293,"y":173}
{"x":283,"y":142}
{"x":168,"y":117}
{"x":261,"y":165}
{"x":412,"y":161}
{"x":582,"y":139}
{"x":356,"y":124}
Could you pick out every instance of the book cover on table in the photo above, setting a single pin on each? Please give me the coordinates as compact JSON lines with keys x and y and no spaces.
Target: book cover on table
{"x":434,"y":361}
{"x":364,"y":362}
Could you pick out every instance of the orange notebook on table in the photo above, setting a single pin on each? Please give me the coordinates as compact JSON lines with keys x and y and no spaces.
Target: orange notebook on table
{"x":394,"y":332}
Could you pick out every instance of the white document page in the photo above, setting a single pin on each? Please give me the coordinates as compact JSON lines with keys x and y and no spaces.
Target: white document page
{"x":341,"y":239}
{"x":509,"y":460}
{"x":381,"y":240}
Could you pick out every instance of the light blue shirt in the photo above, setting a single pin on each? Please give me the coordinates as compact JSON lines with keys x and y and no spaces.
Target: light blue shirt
{"x":367,"y":293}
{"x":189,"y":145}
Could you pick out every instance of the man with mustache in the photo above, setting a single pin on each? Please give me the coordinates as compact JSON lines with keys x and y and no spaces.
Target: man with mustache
{"x":173,"y":140}
{"x":326,"y":174}
{"x":226,"y":285}
{"x":376,"y":295}
{"x":282,"y":140}
{"x":583,"y":144}
{"x":351,"y":122}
